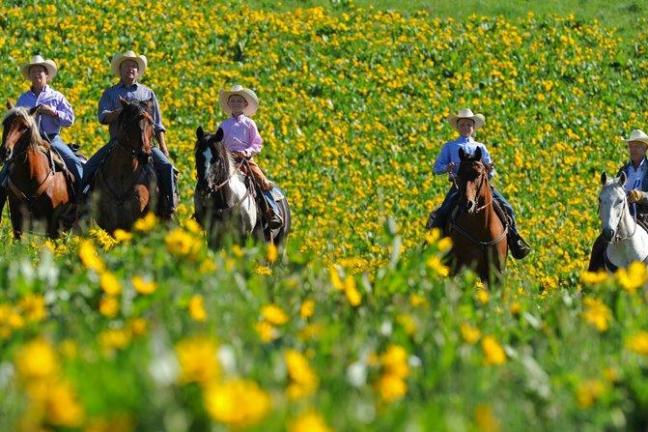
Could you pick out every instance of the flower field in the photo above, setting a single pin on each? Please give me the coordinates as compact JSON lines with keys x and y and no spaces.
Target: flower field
{"x":356,"y":326}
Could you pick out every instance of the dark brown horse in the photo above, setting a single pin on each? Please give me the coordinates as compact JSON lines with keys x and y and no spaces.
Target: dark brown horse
{"x":478,"y":234}
{"x":224,"y":198}
{"x":125,"y":183}
{"x":39,"y":192}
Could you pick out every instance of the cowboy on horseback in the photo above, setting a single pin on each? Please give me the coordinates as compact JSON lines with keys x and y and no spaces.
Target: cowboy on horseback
{"x":130,"y":67}
{"x":636,"y":187}
{"x":241,"y":137}
{"x":466,"y":123}
{"x":54,"y":112}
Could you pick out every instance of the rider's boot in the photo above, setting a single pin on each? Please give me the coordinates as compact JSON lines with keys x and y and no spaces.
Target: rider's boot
{"x":519,"y":248}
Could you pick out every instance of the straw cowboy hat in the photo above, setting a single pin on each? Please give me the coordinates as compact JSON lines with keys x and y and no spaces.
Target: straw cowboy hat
{"x":118,"y":59}
{"x":247,"y":94}
{"x":637,"y":135}
{"x":479,"y":119}
{"x":38,"y":60}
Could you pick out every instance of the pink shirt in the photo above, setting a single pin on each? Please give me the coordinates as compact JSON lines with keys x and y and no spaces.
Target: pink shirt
{"x":241,"y":134}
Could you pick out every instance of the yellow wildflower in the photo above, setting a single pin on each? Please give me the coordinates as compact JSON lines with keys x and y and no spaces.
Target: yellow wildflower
{"x":336,"y":281}
{"x":267,"y":332}
{"x":33,"y":307}
{"x":391,"y":387}
{"x":394,"y":361}
{"x":435,"y":263}
{"x":493,"y":352}
{"x":274,"y":314}
{"x":307,"y":309}
{"x":588,"y":392}
{"x":122,"y":236}
{"x":309,"y":422}
{"x":272,"y":253}
{"x":593,"y":278}
{"x":181,"y":243}
{"x":635,"y":276}
{"x":263,"y":270}
{"x":485,"y":419}
{"x":114,"y":339}
{"x":89,"y":256}
{"x":147,"y":223}
{"x":197,"y":308}
{"x":303,"y":379}
{"x":198,"y":360}
{"x":237,"y":403}
{"x":110,"y":284}
{"x":36,"y":360}
{"x":143,"y":286}
{"x":597,"y":314}
{"x":638,"y":343}
{"x":62,"y":407}
{"x":352,"y":294}
{"x":109,"y":306}
{"x":469,"y":333}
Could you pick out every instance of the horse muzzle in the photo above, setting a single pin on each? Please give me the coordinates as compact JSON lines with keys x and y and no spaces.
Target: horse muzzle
{"x":608,"y":234}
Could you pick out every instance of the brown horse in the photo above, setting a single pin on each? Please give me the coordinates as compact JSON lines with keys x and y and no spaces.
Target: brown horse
{"x":126,"y":183}
{"x":478,"y":234}
{"x":38,"y":193}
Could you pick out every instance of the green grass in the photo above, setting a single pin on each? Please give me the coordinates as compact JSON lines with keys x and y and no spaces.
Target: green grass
{"x":625,"y":15}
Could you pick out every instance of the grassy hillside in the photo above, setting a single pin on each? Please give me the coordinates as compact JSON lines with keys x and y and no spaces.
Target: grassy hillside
{"x":358,"y":328}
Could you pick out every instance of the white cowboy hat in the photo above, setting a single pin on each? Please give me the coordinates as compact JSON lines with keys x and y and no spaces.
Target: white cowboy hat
{"x":118,"y":59}
{"x":247,"y":94}
{"x":637,"y":135}
{"x":479,"y":119}
{"x":38,"y":60}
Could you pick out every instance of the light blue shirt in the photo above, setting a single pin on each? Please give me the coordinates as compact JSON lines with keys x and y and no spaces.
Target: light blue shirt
{"x":50,"y":97}
{"x":450,"y":153}
{"x":635,"y":176}
{"x":132,"y":93}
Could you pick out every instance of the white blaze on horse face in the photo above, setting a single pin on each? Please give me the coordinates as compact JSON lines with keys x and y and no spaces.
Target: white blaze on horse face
{"x":612,"y":204}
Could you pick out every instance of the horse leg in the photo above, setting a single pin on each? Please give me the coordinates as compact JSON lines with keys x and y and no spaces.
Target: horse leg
{"x":16,"y":217}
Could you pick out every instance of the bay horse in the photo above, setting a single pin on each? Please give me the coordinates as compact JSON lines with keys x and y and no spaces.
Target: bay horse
{"x":224,"y":197}
{"x":628,"y":241}
{"x":38,"y":193}
{"x":126,"y":183}
{"x":477,"y":232}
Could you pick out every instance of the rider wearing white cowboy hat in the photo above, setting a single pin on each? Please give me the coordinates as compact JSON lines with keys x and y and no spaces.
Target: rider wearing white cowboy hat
{"x":54,"y":113}
{"x":130,"y":66}
{"x":241,"y":137}
{"x":466,"y":122}
{"x":636,"y":185}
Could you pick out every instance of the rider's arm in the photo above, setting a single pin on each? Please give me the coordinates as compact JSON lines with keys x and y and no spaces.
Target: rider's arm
{"x":442,"y":161}
{"x":162,"y":143}
{"x":488,"y":161}
{"x":64,"y":112}
{"x":107,"y":113}
{"x":255,"y":140}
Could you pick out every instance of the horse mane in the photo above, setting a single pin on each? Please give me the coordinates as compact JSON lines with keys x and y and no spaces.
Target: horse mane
{"x":219,"y":168}
{"x":35,"y":137}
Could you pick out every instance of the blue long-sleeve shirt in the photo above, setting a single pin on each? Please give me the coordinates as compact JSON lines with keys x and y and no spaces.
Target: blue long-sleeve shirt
{"x":48,"y":96}
{"x":133,"y":93}
{"x":450,"y":153}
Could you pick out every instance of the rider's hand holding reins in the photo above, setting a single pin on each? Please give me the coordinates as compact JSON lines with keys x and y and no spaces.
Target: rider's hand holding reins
{"x":636,"y":196}
{"x":47,"y":110}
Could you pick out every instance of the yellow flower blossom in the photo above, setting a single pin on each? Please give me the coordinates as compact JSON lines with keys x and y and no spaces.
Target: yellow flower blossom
{"x":143,"y":286}
{"x":181,"y":243}
{"x":485,"y":419}
{"x":638,"y":343}
{"x":309,"y":422}
{"x":434,"y":262}
{"x":237,"y":403}
{"x":147,"y":223}
{"x":110,"y":284}
{"x":303,"y":380}
{"x":197,"y":310}
{"x":493,"y":352}
{"x":635,"y":276}
{"x":198,"y":361}
{"x":33,"y":307}
{"x":272,"y":253}
{"x":109,"y":306}
{"x":351,"y":292}
{"x":469,"y":333}
{"x":589,"y":392}
{"x":274,"y":314}
{"x":597,"y":314}
{"x":593,"y":278}
{"x":307,"y":309}
{"x":36,"y":360}
{"x":89,"y":256}
{"x":122,"y":236}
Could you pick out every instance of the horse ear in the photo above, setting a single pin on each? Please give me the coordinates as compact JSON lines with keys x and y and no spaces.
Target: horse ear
{"x":33,"y":110}
{"x":603,"y":178}
{"x":478,"y":154}
{"x":462,"y":154}
{"x":200,"y":133}
{"x":219,"y":135}
{"x":622,"y":179}
{"x":9,"y":104}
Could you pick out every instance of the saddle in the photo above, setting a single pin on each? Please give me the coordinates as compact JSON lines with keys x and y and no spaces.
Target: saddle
{"x":454,"y":213}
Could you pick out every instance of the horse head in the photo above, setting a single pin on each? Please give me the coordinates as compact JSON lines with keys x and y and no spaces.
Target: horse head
{"x":19,"y":130}
{"x":135,"y":129}
{"x":471,"y":178}
{"x":613,"y":204}
{"x":213,"y":162}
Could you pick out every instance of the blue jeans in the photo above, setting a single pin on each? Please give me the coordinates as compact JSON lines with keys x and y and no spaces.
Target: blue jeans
{"x":72,"y":162}
{"x":451,"y":198}
{"x":163,"y":170}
